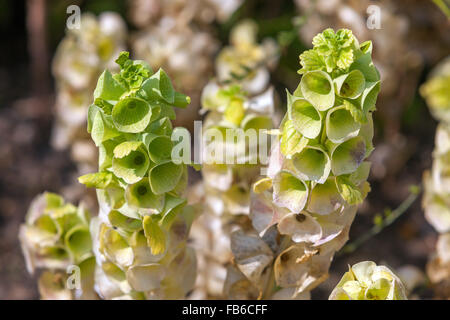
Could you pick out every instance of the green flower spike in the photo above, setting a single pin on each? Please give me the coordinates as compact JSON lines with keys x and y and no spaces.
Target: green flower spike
{"x":54,"y":237}
{"x":226,"y":186}
{"x":317,"y":87}
{"x":367,"y":281}
{"x":130,"y":161}
{"x":317,"y":173}
{"x":436,"y":198}
{"x":144,"y":221}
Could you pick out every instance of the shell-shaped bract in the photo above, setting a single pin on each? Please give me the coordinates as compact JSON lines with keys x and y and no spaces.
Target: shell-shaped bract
{"x":141,"y":231}
{"x":436,"y":199}
{"x":367,"y":281}
{"x":55,"y":238}
{"x":317,"y":173}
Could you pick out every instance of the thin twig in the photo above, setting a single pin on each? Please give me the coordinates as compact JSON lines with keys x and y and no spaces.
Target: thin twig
{"x":377,"y":228}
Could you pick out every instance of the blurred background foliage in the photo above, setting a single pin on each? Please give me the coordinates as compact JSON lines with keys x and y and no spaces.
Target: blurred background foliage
{"x":415,"y":36}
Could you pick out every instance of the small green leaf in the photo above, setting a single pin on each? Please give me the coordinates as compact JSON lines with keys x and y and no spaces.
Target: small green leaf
{"x":121,"y":221}
{"x":98,"y":180}
{"x":348,"y":191}
{"x":156,"y":237}
{"x":102,"y":127}
{"x":108,"y":88}
{"x":356,"y":112}
{"x":181,"y":100}
{"x":291,"y":140}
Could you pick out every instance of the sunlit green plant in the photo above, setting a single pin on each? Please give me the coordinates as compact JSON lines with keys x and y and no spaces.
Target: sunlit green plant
{"x":318,"y":172}
{"x":55,"y":238}
{"x":367,"y":281}
{"x":141,"y":232}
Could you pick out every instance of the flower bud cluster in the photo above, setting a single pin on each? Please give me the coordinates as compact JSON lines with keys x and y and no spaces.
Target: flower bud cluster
{"x":55,"y":238}
{"x":240,"y":118}
{"x":367,"y":281}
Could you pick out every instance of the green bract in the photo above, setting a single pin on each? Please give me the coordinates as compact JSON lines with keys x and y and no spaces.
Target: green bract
{"x":317,"y":172}
{"x":56,"y":238}
{"x":143,"y":224}
{"x":367,"y":281}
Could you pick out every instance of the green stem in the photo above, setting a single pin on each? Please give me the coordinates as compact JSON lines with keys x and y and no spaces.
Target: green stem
{"x":443,"y":6}
{"x":376,"y":229}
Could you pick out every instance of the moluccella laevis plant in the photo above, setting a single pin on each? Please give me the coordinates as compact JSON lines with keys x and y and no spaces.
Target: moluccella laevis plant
{"x":226,"y":184}
{"x":247,"y":60}
{"x":56,"y":239}
{"x":367,"y":281}
{"x":436,"y":200}
{"x":143,"y":224}
{"x":317,"y":172}
{"x":225,"y":191}
{"x":79,"y":60}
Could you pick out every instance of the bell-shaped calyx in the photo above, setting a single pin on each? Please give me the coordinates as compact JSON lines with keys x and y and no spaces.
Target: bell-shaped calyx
{"x":304,"y":116}
{"x":130,"y":161}
{"x":311,"y":164}
{"x":131,"y":115}
{"x":78,"y":242}
{"x":165,"y":176}
{"x":350,"y":85}
{"x":367,"y":281}
{"x":289,"y":191}
{"x":341,"y":125}
{"x":141,"y":197}
{"x":347,"y":156}
{"x":317,"y":87}
{"x":325,"y":198}
{"x":159,"y":147}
